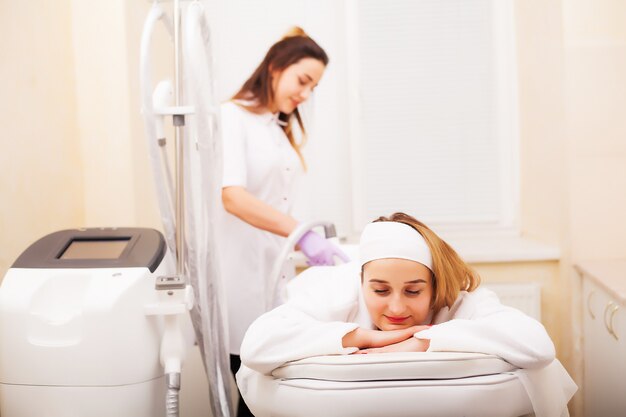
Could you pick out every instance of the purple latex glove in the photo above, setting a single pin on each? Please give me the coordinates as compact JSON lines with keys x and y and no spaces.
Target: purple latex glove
{"x":320,"y":251}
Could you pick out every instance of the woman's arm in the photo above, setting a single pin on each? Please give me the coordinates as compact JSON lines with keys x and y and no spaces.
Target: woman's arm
{"x":311,"y":323}
{"x":287,"y":334}
{"x":241,"y":203}
{"x":412,"y":344}
{"x":386,"y":341}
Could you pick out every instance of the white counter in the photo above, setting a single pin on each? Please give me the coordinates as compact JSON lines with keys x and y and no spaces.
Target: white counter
{"x":610,"y":275}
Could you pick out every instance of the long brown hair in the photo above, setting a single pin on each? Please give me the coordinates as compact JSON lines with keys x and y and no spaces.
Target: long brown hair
{"x":450,"y":273}
{"x":257,"y":92}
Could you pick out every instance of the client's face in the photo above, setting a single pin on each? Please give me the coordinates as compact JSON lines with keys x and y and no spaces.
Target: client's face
{"x":397,"y":293}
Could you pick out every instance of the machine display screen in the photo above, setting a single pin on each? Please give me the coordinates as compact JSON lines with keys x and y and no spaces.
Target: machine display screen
{"x":95,"y":249}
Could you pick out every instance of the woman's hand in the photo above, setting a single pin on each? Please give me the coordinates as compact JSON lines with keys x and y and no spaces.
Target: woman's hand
{"x":366,"y":338}
{"x":412,"y":344}
{"x":320,"y":251}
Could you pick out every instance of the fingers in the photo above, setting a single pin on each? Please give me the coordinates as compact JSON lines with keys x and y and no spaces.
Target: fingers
{"x":389,"y":337}
{"x":320,"y":259}
{"x":410,"y":331}
{"x":316,"y":262}
{"x":396,"y":336}
{"x":320,"y":251}
{"x":417,"y":329}
{"x":378,"y":341}
{"x":327,"y":257}
{"x":366,"y":351}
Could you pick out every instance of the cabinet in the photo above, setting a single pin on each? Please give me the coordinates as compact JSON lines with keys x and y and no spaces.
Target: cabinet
{"x":604,"y":338}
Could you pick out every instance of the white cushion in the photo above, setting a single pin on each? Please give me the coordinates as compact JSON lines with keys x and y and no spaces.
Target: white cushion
{"x":394,"y":366}
{"x":500,"y":395}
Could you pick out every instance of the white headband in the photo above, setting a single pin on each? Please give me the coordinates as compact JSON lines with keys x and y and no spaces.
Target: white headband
{"x":382,"y":240}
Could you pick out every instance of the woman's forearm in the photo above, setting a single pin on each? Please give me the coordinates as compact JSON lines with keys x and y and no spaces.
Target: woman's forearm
{"x":356,"y":338}
{"x":366,"y":338}
{"x":241,"y":203}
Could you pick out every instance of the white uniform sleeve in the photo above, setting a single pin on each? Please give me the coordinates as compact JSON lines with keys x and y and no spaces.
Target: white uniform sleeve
{"x":234,"y":146}
{"x":480,"y":323}
{"x":311,"y":323}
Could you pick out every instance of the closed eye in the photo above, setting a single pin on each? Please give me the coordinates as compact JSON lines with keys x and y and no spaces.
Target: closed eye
{"x":418,"y":292}
{"x":381,"y":291}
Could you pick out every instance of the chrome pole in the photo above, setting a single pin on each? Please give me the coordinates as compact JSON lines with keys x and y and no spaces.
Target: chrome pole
{"x":179,"y":122}
{"x":173,"y":379}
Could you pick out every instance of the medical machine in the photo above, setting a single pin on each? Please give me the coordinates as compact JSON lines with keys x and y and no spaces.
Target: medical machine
{"x":91,"y":325}
{"x":189,"y":201}
{"x":97,"y":322}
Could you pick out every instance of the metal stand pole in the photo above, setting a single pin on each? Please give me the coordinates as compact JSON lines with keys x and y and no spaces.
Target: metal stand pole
{"x":179,"y":122}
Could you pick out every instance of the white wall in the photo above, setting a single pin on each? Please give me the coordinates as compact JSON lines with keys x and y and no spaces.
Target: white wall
{"x":118,"y":186}
{"x":595,"y":82}
{"x":41,"y":185}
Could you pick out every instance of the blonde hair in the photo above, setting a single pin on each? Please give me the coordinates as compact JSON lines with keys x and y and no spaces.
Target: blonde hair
{"x":294,"y":31}
{"x":293,"y":46}
{"x":451,"y":274}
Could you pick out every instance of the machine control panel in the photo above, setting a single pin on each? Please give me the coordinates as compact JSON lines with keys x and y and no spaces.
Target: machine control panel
{"x":96,"y":248}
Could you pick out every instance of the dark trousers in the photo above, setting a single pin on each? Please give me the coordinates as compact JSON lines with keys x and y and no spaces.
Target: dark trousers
{"x":242,"y":408}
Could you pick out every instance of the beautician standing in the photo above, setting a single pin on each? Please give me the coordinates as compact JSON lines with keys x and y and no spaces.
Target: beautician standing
{"x":262,"y":165}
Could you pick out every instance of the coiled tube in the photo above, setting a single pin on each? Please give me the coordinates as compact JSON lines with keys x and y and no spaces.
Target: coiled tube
{"x":173,"y":388}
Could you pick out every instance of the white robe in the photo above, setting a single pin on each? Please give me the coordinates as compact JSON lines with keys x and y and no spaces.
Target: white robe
{"x":325,"y":303}
{"x":258,"y":157}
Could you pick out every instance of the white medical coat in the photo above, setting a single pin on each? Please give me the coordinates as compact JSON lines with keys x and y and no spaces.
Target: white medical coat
{"x":325,"y":303}
{"x":258,"y":157}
